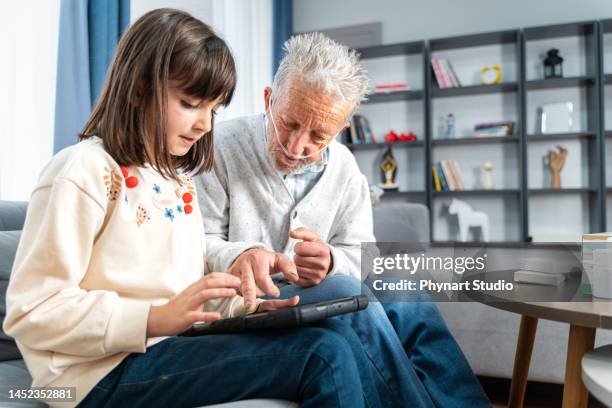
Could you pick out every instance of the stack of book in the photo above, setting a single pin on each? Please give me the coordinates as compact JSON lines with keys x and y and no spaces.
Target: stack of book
{"x":360,"y":131}
{"x":596,"y":255}
{"x":541,"y":271}
{"x":491,"y":129}
{"x":444,"y":73}
{"x":447,"y":176}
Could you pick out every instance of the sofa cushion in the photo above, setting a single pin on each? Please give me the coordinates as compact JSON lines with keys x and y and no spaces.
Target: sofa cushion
{"x":401,"y":227}
{"x":8,"y":247}
{"x":14,"y":376}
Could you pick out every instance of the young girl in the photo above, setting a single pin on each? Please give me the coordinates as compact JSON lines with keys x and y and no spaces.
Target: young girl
{"x":110,"y":265}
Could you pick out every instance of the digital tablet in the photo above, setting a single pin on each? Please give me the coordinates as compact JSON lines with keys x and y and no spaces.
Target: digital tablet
{"x":278,"y":319}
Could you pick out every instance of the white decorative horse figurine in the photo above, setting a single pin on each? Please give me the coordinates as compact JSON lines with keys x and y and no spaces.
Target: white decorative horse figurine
{"x":469,"y":218}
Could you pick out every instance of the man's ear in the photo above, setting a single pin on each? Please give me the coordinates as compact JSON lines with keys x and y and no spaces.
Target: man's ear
{"x":267,"y":97}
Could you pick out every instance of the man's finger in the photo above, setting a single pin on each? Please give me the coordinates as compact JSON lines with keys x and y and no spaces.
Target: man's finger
{"x":310,"y":248}
{"x":261,"y":271}
{"x":305,"y":282}
{"x":284,"y":264}
{"x":247,"y":287}
{"x":279,"y":304}
{"x":309,"y":273}
{"x":304,"y":234}
{"x":303,"y":264}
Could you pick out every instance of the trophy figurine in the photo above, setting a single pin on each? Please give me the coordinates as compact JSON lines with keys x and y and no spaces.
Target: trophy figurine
{"x":388,"y":167}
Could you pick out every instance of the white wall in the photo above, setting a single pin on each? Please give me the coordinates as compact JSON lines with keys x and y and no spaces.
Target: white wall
{"x":408,"y":20}
{"x":28,"y":45}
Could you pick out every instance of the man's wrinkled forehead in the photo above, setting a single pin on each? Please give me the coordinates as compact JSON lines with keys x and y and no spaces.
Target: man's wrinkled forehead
{"x":309,"y":103}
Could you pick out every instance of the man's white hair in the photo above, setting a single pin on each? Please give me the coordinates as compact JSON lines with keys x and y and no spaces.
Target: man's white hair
{"x":319,"y":61}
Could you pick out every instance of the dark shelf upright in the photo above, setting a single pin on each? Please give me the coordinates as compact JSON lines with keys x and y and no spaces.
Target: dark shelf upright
{"x":602,"y":27}
{"x":522,"y":126}
{"x":428,"y":135}
{"x":591,"y":82}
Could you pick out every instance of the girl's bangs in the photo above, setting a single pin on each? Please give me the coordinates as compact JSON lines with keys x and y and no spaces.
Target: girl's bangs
{"x":209,"y":73}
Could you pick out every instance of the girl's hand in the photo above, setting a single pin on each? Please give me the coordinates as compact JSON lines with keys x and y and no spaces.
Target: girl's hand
{"x":185,"y":309}
{"x":277,"y":304}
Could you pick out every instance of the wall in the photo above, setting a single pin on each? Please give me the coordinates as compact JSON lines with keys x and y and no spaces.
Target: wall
{"x":410,"y":20}
{"x":28,"y":40}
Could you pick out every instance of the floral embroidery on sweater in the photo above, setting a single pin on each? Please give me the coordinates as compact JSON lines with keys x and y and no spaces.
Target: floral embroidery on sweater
{"x":172,"y":201}
{"x":113,"y":183}
{"x":142,"y":215}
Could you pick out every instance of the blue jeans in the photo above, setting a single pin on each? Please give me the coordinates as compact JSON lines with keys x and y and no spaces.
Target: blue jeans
{"x":318,"y":366}
{"x":402,"y":338}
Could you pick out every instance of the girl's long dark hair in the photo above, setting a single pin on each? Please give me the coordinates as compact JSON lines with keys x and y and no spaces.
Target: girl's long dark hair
{"x":161,"y":46}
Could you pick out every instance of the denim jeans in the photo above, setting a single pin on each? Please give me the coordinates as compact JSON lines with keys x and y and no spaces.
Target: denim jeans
{"x":402,"y":338}
{"x":316,"y":366}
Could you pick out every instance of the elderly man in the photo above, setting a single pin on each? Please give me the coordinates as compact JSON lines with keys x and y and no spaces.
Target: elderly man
{"x":286,"y":197}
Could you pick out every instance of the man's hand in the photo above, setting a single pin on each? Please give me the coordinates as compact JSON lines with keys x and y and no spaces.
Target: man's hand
{"x":277,"y":304}
{"x":254,"y":267}
{"x":312,"y":257}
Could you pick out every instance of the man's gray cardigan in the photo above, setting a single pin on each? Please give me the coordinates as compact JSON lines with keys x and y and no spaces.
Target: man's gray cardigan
{"x":245,"y":203}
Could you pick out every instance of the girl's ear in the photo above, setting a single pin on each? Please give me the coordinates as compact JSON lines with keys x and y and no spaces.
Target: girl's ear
{"x":138,"y":94}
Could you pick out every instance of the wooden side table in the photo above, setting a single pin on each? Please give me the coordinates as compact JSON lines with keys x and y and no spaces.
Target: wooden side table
{"x":584,"y":315}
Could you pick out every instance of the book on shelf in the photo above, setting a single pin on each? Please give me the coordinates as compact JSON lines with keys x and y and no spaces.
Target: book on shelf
{"x":367,"y":129}
{"x":438,"y":73}
{"x":391,"y":87}
{"x":442,"y":178}
{"x":450,"y":177}
{"x":451,"y":72}
{"x":444,"y":73}
{"x":436,"y":178}
{"x":447,"y":176}
{"x":458,"y":174}
{"x":492,"y":129}
{"x":360,"y":131}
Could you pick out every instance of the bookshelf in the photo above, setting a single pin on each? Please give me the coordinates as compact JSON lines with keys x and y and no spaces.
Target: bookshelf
{"x":522,"y":207}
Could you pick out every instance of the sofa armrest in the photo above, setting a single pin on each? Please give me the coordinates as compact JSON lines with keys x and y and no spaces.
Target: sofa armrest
{"x":12,"y":215}
{"x":399,"y":221}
